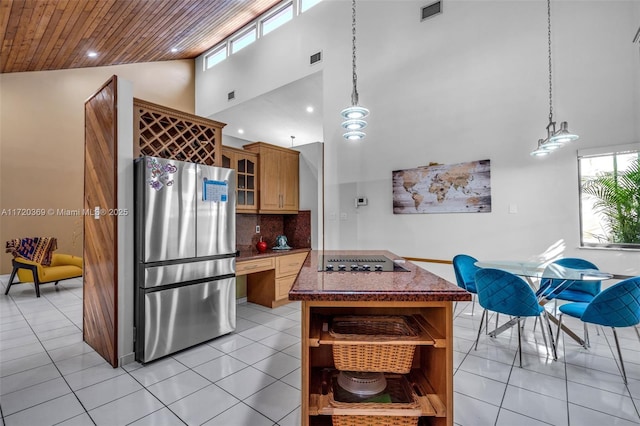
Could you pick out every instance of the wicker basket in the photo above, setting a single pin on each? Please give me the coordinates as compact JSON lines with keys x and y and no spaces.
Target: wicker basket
{"x":374,"y":421}
{"x":400,"y":396}
{"x":393,"y":358}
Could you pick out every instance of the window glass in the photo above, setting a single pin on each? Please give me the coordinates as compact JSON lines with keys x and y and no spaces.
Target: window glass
{"x":244,"y":40}
{"x":610,"y":199}
{"x":277,"y":19}
{"x":307,"y":4}
{"x":215,"y":57}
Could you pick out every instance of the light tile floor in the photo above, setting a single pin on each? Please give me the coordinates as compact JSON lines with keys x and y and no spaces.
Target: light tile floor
{"x":49,"y":376}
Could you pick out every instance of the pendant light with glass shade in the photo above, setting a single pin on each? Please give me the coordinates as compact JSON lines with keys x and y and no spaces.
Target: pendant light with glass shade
{"x":555,"y":138}
{"x":355,"y":114}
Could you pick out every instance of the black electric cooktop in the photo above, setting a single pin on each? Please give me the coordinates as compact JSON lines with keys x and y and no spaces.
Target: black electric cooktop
{"x":358,"y":263}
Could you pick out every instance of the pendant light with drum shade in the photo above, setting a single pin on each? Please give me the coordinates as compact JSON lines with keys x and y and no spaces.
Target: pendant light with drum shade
{"x":355,"y":114}
{"x":555,"y":138}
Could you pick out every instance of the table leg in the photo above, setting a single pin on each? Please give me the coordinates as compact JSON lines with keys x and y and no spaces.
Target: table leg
{"x":507,"y":325}
{"x":533,"y":286}
{"x":567,"y":330}
{"x":554,"y":350}
{"x":550,"y":317}
{"x":514,"y":321}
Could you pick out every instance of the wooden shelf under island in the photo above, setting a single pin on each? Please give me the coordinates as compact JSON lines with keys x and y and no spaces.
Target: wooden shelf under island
{"x":414,"y":293}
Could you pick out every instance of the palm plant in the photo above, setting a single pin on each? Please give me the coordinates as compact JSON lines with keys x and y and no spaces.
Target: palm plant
{"x":617,"y":199}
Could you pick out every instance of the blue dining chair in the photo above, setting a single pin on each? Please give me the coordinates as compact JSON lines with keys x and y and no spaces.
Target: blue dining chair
{"x":576,"y":291}
{"x":465,"y":270}
{"x":615,"y":307}
{"x":503,"y":292}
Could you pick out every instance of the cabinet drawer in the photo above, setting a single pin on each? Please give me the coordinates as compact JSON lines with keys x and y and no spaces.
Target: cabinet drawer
{"x":289,"y":264}
{"x":250,"y":266}
{"x":283,"y":285}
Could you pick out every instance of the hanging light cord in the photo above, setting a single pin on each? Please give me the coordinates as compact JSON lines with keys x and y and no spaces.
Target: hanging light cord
{"x":555,"y":139}
{"x":354,"y":93}
{"x":355,"y":114}
{"x":549,"y":44}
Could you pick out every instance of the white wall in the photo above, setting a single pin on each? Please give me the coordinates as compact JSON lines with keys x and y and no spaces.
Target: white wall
{"x":126,"y":230}
{"x":233,"y":141}
{"x":467,"y":85}
{"x":311,"y":188}
{"x":42,"y":131}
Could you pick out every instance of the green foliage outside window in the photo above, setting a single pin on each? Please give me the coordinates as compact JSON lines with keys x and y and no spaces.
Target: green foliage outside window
{"x":612,"y":197}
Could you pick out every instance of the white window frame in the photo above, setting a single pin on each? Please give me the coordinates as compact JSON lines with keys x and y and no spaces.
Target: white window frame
{"x":308,"y":8}
{"x":213,"y":52}
{"x":240,"y":35}
{"x":602,"y":152}
{"x":274,"y":14}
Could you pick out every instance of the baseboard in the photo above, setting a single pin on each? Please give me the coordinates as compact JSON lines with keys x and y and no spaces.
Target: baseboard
{"x":241,"y":300}
{"x":127,"y":359}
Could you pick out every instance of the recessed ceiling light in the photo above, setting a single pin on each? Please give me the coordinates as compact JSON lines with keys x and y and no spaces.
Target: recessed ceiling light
{"x":174,"y":50}
{"x":241,"y":131}
{"x":309,"y":108}
{"x":92,"y":54}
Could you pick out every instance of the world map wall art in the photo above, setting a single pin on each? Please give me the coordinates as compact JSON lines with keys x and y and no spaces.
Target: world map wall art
{"x":439,"y":188}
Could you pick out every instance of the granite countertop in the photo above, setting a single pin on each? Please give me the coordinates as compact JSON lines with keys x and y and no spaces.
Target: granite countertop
{"x":250,"y":253}
{"x":416,"y":285}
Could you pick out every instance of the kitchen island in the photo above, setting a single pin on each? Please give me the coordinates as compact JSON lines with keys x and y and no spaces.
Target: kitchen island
{"x":405,"y":291}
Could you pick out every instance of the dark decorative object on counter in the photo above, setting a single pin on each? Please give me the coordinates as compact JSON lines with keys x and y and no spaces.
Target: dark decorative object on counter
{"x":261,"y":246}
{"x":281,"y":243}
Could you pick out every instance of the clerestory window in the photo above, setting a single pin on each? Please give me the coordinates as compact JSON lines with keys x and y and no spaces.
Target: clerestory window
{"x":216,"y":56}
{"x":277,"y":19}
{"x":243,"y":40}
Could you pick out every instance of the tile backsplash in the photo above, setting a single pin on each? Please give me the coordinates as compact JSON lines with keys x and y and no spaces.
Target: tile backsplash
{"x":296,"y":227}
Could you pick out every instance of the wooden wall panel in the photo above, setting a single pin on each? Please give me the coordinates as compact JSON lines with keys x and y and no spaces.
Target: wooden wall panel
{"x":100,"y":313}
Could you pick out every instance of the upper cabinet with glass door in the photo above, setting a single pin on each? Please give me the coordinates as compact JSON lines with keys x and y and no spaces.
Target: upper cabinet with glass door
{"x":246,"y":166}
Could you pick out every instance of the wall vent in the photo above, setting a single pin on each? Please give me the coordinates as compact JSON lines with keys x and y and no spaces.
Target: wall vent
{"x":430,"y":10}
{"x":231,"y":95}
{"x":315,"y":58}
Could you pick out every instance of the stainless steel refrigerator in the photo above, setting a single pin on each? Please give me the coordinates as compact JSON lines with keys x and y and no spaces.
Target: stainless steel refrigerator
{"x":185,"y":244}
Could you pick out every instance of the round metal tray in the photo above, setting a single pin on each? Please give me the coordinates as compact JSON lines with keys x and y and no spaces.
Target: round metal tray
{"x":362,"y":383}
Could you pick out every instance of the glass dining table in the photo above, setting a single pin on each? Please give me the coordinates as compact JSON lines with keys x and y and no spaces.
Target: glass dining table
{"x":534,"y":273}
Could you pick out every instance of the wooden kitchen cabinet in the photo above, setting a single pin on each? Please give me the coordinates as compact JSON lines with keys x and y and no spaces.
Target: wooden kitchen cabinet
{"x":251,"y":266}
{"x":287,"y":268}
{"x":415,"y":294}
{"x":278,"y":181}
{"x":269,"y":279}
{"x":246,"y":166}
{"x":430,"y":376}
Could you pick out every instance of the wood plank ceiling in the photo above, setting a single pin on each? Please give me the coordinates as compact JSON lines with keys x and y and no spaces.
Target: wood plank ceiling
{"x":58,"y":34}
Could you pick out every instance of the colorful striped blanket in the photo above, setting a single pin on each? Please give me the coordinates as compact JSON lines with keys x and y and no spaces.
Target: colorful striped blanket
{"x":36,"y":249}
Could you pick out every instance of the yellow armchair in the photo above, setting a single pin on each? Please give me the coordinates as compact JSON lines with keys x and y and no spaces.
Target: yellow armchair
{"x":63,"y":267}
